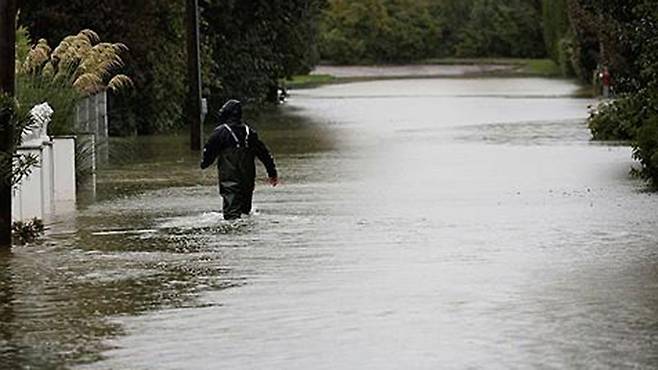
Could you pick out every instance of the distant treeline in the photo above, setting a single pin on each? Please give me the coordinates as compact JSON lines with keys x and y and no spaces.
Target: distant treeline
{"x":394,"y":31}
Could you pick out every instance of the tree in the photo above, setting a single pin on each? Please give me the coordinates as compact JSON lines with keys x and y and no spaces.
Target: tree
{"x":255,"y":43}
{"x":7,"y":76}
{"x":389,"y":31}
{"x":394,"y":31}
{"x":502,"y":29}
{"x":602,"y":37}
{"x":451,"y":16}
{"x":556,"y":25}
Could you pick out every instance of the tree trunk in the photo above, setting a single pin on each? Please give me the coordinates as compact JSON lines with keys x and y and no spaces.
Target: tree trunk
{"x":7,"y":86}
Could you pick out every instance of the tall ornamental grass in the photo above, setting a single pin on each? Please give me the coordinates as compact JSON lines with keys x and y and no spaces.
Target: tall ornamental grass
{"x":79,"y":66}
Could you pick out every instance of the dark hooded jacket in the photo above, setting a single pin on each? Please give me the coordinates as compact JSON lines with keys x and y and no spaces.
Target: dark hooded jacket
{"x":235,"y":146}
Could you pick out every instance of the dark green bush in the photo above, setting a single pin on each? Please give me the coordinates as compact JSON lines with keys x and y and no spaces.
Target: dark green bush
{"x":619,"y":119}
{"x":28,"y":231}
{"x":63,"y":98}
{"x":646,"y":150}
{"x":15,"y":119}
{"x":632,"y":117}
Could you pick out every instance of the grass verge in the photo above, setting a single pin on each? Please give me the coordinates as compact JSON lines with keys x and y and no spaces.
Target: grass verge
{"x":541,"y":67}
{"x":308,"y":81}
{"x":521,"y":66}
{"x":518,"y":68}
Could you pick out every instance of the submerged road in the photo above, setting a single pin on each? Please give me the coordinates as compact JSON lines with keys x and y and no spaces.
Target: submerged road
{"x":418,"y":70}
{"x":422,"y":224}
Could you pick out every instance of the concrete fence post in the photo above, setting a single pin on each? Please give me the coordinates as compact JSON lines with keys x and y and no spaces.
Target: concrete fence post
{"x":92,"y":118}
{"x":27,"y":196}
{"x":64,"y":169}
{"x":47,"y":177}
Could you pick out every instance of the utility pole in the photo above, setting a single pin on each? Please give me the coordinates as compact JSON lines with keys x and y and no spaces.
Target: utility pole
{"x":7,"y":86}
{"x":192,"y":109}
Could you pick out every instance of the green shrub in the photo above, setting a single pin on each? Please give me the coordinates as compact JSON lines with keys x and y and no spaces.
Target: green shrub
{"x":80,"y":65}
{"x":619,"y":119}
{"x":23,"y":45}
{"x":646,"y":150}
{"x":32,"y":90}
{"x":632,"y":117}
{"x":28,"y":231}
{"x":14,"y":120}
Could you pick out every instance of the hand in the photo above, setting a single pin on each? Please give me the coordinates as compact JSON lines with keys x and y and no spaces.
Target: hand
{"x":274,"y":181}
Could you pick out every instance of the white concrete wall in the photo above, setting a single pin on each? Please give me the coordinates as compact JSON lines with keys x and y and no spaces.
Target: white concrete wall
{"x":27,"y":202}
{"x":50,"y":188}
{"x":47,"y":177}
{"x":64,"y":168}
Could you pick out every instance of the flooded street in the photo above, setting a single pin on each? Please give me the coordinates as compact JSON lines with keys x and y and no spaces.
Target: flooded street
{"x":421,"y":224}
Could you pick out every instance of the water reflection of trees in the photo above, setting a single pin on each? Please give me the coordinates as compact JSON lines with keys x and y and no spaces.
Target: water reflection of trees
{"x":8,"y":350}
{"x":57,"y":301}
{"x":155,"y":162}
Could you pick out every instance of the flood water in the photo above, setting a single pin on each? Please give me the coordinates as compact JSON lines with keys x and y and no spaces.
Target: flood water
{"x":421,"y":224}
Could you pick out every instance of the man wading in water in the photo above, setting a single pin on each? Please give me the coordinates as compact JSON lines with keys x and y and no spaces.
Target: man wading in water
{"x":236,"y":146}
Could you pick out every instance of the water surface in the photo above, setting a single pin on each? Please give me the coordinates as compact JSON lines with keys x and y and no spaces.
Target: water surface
{"x":440,"y":223}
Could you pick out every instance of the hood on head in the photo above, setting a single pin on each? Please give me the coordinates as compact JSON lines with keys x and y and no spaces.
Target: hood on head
{"x":231,"y":112}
